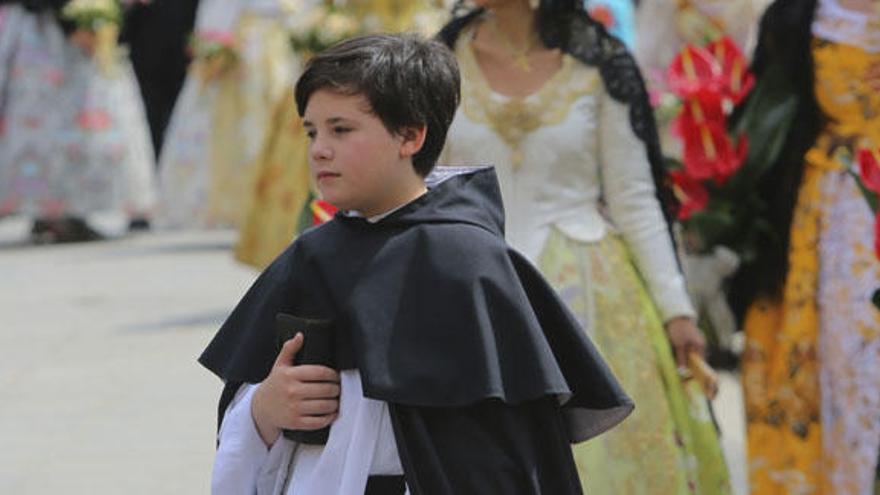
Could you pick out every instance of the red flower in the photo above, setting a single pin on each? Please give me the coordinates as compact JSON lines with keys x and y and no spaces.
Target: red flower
{"x":690,"y":192}
{"x":224,"y":38}
{"x":709,"y":153}
{"x":696,"y":112}
{"x":322,"y":211}
{"x":736,"y":79}
{"x":694,"y":73}
{"x":869,"y":169}
{"x":604,"y":15}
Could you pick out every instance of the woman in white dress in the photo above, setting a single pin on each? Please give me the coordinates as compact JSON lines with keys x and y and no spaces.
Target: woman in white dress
{"x":560,"y":109}
{"x":74,"y":144}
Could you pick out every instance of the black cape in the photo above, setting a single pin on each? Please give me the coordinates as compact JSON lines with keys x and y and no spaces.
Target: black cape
{"x":487,"y":374}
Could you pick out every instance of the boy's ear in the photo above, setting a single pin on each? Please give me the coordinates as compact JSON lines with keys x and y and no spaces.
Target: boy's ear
{"x":413,"y":140}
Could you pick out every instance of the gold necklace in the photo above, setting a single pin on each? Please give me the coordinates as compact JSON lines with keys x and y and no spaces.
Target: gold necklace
{"x":520,"y":55}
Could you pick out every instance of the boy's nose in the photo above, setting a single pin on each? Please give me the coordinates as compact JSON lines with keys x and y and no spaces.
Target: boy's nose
{"x":320,"y":152}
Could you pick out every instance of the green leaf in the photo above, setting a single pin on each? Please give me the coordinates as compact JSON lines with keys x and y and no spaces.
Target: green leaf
{"x":766,"y":122}
{"x":870,"y":196}
{"x":672,"y":164}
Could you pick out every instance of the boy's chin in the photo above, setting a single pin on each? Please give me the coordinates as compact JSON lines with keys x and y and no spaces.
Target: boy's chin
{"x":339,"y":203}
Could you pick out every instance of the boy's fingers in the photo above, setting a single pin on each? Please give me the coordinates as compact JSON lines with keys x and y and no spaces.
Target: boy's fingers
{"x":316,"y":373}
{"x":319,"y":390}
{"x":289,"y":350}
{"x":318,"y":407}
{"x":315,"y":422}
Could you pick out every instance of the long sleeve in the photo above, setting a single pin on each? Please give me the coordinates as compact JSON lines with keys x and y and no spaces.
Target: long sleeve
{"x":628,"y":190}
{"x":241,"y":455}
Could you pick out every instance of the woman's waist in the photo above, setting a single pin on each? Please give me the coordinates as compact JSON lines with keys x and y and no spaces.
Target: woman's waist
{"x":527,"y":231}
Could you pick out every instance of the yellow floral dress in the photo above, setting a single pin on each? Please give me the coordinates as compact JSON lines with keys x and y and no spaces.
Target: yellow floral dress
{"x":811,"y":369}
{"x":280,"y":185}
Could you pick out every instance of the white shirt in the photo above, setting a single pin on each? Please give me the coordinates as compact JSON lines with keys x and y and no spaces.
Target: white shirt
{"x":361,"y":443}
{"x":579,"y":151}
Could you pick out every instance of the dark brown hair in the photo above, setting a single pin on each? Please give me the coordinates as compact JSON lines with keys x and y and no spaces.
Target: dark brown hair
{"x":409,"y":82}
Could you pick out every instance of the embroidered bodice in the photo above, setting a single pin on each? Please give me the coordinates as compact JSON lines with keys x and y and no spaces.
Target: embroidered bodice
{"x":567,"y":158}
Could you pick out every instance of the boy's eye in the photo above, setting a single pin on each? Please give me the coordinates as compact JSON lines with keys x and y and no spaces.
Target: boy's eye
{"x":341,"y":130}
{"x":311,"y":134}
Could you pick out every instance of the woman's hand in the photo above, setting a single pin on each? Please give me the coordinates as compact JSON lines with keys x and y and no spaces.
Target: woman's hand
{"x":295,"y":397}
{"x":685,"y":338}
{"x":85,"y":39}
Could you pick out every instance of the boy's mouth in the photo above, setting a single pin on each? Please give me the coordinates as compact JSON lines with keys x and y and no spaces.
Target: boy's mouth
{"x":326,"y":175}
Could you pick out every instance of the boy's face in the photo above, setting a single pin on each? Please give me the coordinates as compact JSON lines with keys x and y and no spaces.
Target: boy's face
{"x":355,"y":162}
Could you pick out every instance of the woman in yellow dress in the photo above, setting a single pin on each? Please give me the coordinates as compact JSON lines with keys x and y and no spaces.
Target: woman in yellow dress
{"x":811,"y":369}
{"x":280,"y":185}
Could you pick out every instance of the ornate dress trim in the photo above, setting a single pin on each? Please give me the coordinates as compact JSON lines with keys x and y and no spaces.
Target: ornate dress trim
{"x":514,"y":118}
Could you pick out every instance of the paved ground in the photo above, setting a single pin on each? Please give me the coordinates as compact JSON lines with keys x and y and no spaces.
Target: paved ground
{"x":100,"y":392}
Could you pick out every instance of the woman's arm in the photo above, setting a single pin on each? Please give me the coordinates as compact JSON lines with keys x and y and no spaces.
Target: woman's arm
{"x":629,"y":191}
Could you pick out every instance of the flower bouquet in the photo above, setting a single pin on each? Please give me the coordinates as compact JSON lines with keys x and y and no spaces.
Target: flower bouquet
{"x":92,"y":14}
{"x":322,"y":26}
{"x":716,"y":179}
{"x":722,"y":219}
{"x":97,"y":28}
{"x":214,"y":52}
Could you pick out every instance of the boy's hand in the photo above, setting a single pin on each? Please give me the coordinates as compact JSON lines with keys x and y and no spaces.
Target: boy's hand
{"x":295,"y":397}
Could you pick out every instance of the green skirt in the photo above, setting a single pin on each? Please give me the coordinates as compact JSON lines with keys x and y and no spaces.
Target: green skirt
{"x":669,"y":445}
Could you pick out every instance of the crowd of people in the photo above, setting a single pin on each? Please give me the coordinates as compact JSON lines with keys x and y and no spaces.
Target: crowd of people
{"x":595,"y":117}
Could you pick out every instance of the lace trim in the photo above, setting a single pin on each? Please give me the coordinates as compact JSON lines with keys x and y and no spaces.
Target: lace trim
{"x":514,"y":118}
{"x":840,"y":25}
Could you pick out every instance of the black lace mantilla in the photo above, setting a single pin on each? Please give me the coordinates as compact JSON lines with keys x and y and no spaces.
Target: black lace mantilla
{"x":566,"y":25}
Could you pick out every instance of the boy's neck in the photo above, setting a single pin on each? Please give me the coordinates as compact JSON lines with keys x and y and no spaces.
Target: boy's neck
{"x":401,"y":197}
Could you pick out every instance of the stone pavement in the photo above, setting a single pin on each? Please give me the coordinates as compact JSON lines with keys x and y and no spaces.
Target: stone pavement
{"x":100,"y":392}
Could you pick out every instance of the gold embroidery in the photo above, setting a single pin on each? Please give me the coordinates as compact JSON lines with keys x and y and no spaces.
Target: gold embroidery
{"x":515,"y":118}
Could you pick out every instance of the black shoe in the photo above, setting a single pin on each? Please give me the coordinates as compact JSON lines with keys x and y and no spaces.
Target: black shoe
{"x":62,"y":230}
{"x":138,"y":224}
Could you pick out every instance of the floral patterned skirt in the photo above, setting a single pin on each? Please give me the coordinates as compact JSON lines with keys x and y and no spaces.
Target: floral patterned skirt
{"x":669,"y":445}
{"x":73,"y":138}
{"x":811,"y":371}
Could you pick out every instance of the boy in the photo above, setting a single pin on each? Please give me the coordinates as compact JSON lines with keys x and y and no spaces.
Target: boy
{"x":458,"y":368}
